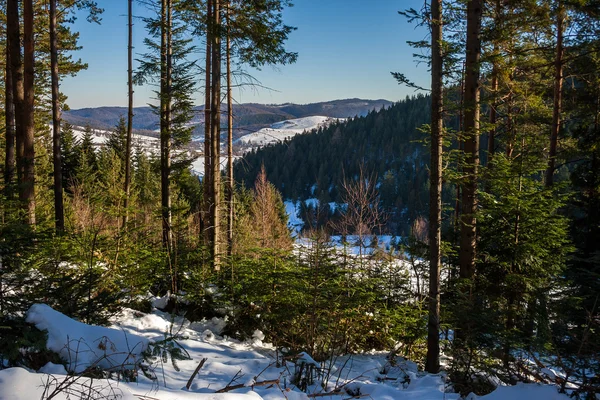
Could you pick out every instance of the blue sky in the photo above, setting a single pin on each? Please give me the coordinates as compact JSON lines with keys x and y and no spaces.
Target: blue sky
{"x":346,"y":48}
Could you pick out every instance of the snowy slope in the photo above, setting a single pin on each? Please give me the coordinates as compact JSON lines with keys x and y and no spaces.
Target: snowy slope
{"x":280,"y":131}
{"x":245,"y":365}
{"x":150,"y":145}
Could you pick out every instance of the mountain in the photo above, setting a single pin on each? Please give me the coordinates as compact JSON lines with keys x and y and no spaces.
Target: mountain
{"x":387,"y":144}
{"x":248,"y":117}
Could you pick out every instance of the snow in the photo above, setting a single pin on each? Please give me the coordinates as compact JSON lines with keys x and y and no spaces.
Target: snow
{"x":84,"y":346}
{"x":228,"y":362}
{"x":295,"y":223}
{"x":149,"y":144}
{"x":523,"y":391}
{"x":198,"y":164}
{"x":280,"y":131}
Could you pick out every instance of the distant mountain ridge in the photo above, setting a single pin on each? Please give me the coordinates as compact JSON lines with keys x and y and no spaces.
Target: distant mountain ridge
{"x":248,"y":116}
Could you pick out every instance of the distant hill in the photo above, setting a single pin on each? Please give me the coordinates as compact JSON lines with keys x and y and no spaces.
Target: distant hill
{"x":248,"y":118}
{"x":387,"y":143}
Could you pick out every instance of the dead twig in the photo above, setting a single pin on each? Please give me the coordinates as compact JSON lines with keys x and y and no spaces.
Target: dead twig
{"x":189,"y":382}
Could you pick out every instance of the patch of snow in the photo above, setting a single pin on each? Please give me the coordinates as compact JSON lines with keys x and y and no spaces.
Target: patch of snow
{"x":523,"y":391}
{"x":83,"y":346}
{"x":53,"y":369}
{"x":198,"y":164}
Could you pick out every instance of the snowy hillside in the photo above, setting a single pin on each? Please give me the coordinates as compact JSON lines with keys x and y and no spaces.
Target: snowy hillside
{"x":150,"y":144}
{"x":280,"y":131}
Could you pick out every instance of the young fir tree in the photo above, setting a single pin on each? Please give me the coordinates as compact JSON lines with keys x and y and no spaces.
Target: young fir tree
{"x":69,"y":149}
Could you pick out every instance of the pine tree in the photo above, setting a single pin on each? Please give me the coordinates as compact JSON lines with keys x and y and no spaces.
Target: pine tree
{"x":69,"y":150}
{"x":87,"y":147}
{"x":117,"y":139}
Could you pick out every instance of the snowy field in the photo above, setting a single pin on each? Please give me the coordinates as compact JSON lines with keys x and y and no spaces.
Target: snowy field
{"x":280,"y":131}
{"x":229,"y":369}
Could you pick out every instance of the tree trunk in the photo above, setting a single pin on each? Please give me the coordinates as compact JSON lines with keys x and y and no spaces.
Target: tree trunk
{"x":558,"y":86}
{"x":27,"y":186}
{"x":230,"y":182}
{"x":165,"y":136}
{"x":493,"y":117}
{"x":14,"y":43}
{"x":494,"y":89}
{"x":129,"y":111}
{"x":9,"y":122}
{"x":215,"y":123}
{"x":207,"y":180}
{"x":468,"y":239}
{"x":432,"y":364}
{"x":59,"y":213}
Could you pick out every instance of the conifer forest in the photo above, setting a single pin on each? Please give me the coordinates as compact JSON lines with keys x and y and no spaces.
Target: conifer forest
{"x":444,"y":246}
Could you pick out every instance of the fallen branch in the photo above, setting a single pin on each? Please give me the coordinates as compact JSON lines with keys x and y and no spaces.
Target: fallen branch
{"x":241,"y":385}
{"x":189,"y":382}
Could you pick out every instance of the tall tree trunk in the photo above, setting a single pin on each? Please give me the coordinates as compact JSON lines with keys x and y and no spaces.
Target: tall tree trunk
{"x":494,"y":89}
{"x":432,"y":364}
{"x":468,"y":239}
{"x":165,"y":134}
{"x":215,"y":113}
{"x":59,"y":213}
{"x":558,"y":88}
{"x":9,"y":122}
{"x":127,"y":187}
{"x":230,"y":182}
{"x":27,"y":186}
{"x":207,"y":180}
{"x":14,"y":43}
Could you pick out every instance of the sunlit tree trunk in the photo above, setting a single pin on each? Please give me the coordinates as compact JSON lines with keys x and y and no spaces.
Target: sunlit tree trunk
{"x":230,"y":182}
{"x":435,"y":190}
{"x":215,"y":112}
{"x":27,"y":184}
{"x":59,"y":214}
{"x":207,"y":183}
{"x":558,"y":88}
{"x":165,"y":134}
{"x":468,"y":239}
{"x":129,"y":111}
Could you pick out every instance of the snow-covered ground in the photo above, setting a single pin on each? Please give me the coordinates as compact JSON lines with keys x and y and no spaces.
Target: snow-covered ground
{"x":150,"y":145}
{"x":280,"y":131}
{"x":246,"y":370}
{"x":198,"y":164}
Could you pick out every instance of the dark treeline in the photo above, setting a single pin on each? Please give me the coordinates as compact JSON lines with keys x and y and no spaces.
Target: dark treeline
{"x":388,"y":145}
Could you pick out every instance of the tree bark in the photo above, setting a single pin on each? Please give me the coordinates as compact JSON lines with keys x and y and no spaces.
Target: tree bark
{"x":230,"y":182}
{"x":558,"y":88}
{"x":9,"y":122}
{"x":27,"y":186}
{"x":127,"y":187}
{"x":165,"y":134}
{"x":432,"y":364}
{"x":468,"y":239}
{"x":59,"y":213}
{"x":14,"y":44}
{"x":215,"y":123}
{"x":207,"y":180}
